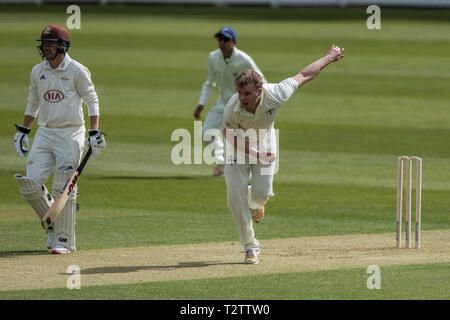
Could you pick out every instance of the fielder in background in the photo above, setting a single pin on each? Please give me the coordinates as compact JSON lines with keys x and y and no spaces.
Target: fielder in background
{"x":58,"y":86}
{"x":224,"y":65}
{"x":254,"y":108}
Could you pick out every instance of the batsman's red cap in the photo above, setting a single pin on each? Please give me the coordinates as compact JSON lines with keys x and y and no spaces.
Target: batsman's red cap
{"x":54,"y":32}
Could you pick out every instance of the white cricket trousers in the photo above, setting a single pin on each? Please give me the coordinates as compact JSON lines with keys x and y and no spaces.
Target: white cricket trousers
{"x":214,"y":120}
{"x":55,"y":147}
{"x":237,"y":178}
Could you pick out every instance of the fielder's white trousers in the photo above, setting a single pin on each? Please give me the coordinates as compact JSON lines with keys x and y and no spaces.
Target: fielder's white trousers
{"x":239,"y":203}
{"x":59,"y":148}
{"x":214,"y":120}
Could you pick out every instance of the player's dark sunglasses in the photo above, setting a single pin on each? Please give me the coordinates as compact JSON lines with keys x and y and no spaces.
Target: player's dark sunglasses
{"x":222,"y":38}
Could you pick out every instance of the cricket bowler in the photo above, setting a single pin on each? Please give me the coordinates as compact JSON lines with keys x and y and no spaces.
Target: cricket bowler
{"x":255,"y":107}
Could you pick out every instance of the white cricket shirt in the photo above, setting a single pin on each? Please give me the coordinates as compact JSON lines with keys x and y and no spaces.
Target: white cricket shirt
{"x":224,"y":72}
{"x":57,"y":94}
{"x":273,"y":96}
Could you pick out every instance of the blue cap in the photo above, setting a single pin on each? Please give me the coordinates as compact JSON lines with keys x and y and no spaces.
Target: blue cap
{"x":227,"y":32}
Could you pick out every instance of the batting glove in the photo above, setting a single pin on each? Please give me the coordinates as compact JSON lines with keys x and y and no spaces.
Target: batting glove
{"x":96,"y":141}
{"x":21,"y":142}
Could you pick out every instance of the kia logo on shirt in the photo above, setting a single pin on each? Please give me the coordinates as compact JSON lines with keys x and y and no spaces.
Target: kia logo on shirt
{"x":53,"y":96}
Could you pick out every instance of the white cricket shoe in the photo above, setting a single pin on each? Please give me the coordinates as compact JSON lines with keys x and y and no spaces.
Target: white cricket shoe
{"x":60,"y":249}
{"x":49,"y":240}
{"x":251,"y":256}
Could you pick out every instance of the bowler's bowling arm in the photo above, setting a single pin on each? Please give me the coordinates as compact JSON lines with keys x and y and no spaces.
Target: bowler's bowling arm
{"x":232,"y":136}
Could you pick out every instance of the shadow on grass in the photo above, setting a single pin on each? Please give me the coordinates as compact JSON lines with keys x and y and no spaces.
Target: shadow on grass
{"x":153,"y":178}
{"x":128,"y":269}
{"x":12,"y":254}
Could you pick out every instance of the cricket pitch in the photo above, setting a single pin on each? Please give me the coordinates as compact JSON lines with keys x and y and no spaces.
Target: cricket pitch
{"x":22,"y":271}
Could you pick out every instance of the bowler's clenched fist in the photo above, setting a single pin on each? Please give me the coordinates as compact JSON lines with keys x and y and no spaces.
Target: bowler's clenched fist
{"x":335,"y":53}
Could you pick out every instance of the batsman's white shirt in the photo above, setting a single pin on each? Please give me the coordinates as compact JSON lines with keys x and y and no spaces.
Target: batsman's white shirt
{"x":55,"y":98}
{"x":224,"y":71}
{"x":57,"y":94}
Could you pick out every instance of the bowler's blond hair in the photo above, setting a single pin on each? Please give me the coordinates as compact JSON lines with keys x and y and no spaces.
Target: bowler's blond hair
{"x":248,"y":77}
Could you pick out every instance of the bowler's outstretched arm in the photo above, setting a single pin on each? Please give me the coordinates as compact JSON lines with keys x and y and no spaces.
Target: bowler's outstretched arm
{"x":310,"y":72}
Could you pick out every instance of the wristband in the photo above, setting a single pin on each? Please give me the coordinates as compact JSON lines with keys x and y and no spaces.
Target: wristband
{"x":22,"y":129}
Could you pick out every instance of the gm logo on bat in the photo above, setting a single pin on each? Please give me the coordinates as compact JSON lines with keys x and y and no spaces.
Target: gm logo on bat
{"x":53,"y":96}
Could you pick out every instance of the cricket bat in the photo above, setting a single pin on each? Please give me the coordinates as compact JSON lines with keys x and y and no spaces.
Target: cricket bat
{"x":62,"y":198}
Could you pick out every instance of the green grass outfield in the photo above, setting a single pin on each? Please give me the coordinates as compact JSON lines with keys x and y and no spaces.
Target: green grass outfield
{"x":340,"y":137}
{"x":398,"y":283}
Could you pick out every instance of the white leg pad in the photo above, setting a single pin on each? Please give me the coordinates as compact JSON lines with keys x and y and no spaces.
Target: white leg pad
{"x":38,"y":196}
{"x":64,"y":224}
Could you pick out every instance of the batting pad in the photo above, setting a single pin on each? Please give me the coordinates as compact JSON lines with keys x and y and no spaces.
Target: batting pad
{"x":38,"y":196}
{"x":64,"y":224}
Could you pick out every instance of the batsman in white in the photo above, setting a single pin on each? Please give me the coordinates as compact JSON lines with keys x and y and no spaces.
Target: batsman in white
{"x":58,"y":86}
{"x":254,"y":108}
{"x":224,"y":65}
